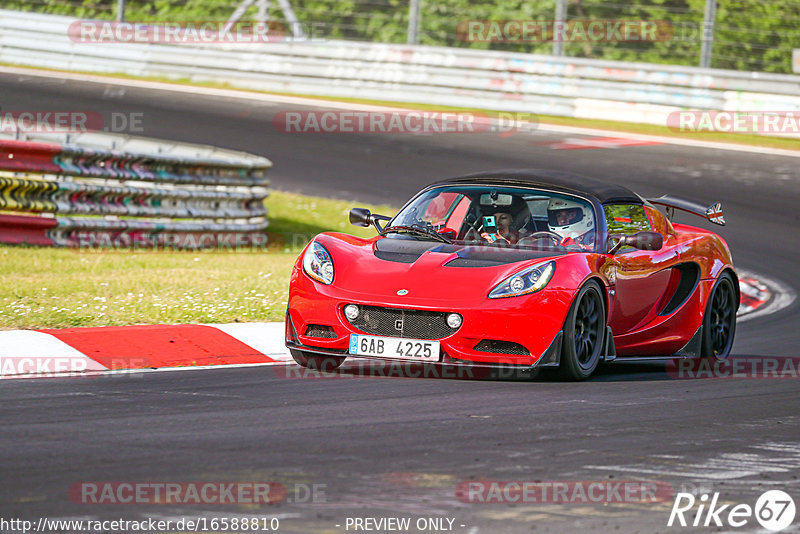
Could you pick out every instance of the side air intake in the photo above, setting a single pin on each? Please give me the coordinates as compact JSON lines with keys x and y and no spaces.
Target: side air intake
{"x":688,"y":274}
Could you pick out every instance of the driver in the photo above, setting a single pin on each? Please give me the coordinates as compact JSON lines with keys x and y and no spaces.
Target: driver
{"x":571,"y":220}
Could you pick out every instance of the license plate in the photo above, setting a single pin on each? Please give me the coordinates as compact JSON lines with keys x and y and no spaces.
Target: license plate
{"x":394,"y":347}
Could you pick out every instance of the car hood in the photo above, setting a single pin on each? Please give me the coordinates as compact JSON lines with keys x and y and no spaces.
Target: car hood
{"x":429,"y":271}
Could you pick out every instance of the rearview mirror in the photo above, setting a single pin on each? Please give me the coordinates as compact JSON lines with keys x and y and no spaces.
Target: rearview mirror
{"x":640,"y":241}
{"x":496,"y":200}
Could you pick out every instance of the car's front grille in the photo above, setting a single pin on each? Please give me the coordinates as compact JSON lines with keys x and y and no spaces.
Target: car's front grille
{"x":391,"y":322}
{"x":501,"y":347}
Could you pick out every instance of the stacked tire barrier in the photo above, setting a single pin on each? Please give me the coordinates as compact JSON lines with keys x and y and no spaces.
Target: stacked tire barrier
{"x":485,"y":79}
{"x":103,"y":190}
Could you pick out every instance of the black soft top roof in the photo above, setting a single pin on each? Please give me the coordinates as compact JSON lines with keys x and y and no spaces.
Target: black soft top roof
{"x":567,"y":182}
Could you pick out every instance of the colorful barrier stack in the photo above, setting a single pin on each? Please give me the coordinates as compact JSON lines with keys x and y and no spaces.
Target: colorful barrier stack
{"x":104,"y":190}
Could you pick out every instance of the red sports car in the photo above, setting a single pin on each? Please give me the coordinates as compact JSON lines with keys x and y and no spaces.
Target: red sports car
{"x":522,"y":268}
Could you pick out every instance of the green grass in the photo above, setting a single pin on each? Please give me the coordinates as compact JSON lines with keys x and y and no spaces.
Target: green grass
{"x":58,"y":288}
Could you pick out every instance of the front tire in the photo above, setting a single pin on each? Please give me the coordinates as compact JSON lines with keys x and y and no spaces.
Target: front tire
{"x":719,"y":319}
{"x":316,"y":361}
{"x":584,"y":333}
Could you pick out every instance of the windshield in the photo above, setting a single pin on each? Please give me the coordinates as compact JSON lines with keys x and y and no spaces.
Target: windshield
{"x":498,"y":217}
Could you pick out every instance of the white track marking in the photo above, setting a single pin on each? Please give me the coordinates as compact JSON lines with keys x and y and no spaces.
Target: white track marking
{"x":266,"y":338}
{"x":782,"y":296}
{"x":769,"y":457}
{"x":23,"y":350}
{"x":117,"y":372}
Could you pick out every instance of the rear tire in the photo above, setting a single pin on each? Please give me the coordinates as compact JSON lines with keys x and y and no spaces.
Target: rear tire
{"x":584,"y":333}
{"x":316,"y":361}
{"x":719,"y":319}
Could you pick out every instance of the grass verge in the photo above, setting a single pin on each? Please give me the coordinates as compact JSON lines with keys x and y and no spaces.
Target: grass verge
{"x":58,"y":288}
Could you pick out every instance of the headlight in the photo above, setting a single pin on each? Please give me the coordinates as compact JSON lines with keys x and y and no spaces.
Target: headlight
{"x":527,"y":281}
{"x":317,"y":263}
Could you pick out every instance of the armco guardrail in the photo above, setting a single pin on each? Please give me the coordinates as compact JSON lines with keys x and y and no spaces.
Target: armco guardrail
{"x":93,"y":189}
{"x":549,"y":85}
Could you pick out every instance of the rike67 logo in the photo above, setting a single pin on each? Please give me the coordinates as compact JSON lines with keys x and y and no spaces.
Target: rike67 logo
{"x":774,"y":510}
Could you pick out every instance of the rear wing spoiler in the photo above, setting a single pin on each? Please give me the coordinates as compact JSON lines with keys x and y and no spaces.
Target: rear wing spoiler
{"x":713,"y":213}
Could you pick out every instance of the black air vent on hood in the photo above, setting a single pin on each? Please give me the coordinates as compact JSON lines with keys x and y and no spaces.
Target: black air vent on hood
{"x":492,"y":257}
{"x":404,"y":250}
{"x":409,"y":250}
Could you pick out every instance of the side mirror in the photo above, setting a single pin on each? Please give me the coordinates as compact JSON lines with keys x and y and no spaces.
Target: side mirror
{"x":640,"y":241}
{"x":363,"y":217}
{"x":360,"y":217}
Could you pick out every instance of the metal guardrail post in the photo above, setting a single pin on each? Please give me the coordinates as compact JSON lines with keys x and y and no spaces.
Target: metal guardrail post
{"x":239,"y":12}
{"x":707,"y":37}
{"x":120,"y":10}
{"x":413,"y":22}
{"x":291,"y":18}
{"x":262,"y":15}
{"x":561,"y":16}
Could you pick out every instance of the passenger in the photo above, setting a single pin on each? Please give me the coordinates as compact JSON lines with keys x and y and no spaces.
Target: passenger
{"x":504,"y":233}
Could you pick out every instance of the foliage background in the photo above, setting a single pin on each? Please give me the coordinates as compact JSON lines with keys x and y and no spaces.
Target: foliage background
{"x":749,"y":34}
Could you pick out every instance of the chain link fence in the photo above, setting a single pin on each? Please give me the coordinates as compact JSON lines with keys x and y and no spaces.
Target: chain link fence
{"x":752,"y":35}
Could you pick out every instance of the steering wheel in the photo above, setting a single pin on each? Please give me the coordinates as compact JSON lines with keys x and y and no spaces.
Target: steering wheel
{"x":555,"y":239}
{"x":546,"y":234}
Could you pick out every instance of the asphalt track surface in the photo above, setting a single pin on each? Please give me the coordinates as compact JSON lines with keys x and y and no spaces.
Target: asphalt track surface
{"x":399,"y":447}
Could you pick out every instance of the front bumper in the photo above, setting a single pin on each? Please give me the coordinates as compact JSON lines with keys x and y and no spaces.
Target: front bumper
{"x":550,"y":358}
{"x":533,"y":321}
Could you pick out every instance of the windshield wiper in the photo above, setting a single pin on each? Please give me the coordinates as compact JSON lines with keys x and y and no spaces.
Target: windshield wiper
{"x":416,"y":230}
